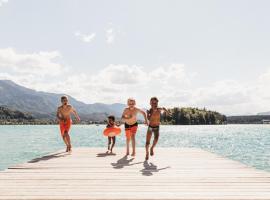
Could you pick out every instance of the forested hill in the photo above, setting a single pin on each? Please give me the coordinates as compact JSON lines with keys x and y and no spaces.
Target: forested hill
{"x":193,"y":116}
{"x":13,"y":116}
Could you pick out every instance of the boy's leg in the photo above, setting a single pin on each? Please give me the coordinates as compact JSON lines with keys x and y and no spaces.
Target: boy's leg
{"x":148,"y":139}
{"x":68,"y":141}
{"x":133,"y":139}
{"x":109,"y":143}
{"x":133,"y":144}
{"x":128,"y":135}
{"x":64,"y":136}
{"x":65,"y":141}
{"x":156,"y":136}
{"x":113,"y":143}
{"x":127,"y":143}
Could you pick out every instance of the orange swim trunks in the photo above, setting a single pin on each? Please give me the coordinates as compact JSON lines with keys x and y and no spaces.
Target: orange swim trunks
{"x":65,"y":126}
{"x":131,"y":129}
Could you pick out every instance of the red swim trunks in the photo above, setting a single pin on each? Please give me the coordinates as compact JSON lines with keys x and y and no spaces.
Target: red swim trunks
{"x":65,"y":126}
{"x":131,"y":129}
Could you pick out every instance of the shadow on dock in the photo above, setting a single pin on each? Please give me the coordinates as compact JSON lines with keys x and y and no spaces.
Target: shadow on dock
{"x":49,"y":157}
{"x":105,"y":154}
{"x":150,"y":168}
{"x":123,"y":162}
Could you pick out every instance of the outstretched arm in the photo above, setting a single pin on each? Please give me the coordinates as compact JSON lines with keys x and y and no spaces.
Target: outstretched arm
{"x":165,"y":110}
{"x":144,"y":115}
{"x":76,"y":114}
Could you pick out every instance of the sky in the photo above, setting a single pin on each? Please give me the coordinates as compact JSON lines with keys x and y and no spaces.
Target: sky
{"x":211,"y":53}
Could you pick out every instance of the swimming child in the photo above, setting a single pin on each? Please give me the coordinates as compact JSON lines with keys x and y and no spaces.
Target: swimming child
{"x":153,"y":115}
{"x":111,"y":131}
{"x":129,"y":117}
{"x":63,"y":115}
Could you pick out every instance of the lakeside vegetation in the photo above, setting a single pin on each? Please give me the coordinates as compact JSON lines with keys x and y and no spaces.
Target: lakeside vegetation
{"x":192,"y":116}
{"x":15,"y":117}
{"x":249,"y":119}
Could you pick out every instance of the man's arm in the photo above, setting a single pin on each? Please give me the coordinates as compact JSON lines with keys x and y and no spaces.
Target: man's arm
{"x":144,"y":115}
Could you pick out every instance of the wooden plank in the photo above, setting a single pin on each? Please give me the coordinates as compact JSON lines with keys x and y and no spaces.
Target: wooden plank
{"x":88,"y":173}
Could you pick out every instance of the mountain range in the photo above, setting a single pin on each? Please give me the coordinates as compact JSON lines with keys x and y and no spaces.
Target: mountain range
{"x":43,"y":104}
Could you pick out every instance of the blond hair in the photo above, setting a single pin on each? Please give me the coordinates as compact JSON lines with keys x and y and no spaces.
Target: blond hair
{"x":131,"y":99}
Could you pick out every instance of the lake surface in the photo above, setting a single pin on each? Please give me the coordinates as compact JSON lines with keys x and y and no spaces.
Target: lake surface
{"x":249,"y":144}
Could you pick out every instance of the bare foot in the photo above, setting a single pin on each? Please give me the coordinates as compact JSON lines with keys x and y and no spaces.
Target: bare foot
{"x":133,"y":154}
{"x":151,"y":151}
{"x":147,"y":156}
{"x":127,"y":153}
{"x":67,"y":149}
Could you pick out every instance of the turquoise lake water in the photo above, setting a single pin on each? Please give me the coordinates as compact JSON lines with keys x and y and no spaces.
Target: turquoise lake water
{"x":249,"y":144}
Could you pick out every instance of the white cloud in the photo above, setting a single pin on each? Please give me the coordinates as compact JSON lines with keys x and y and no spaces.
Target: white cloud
{"x":225,"y":92}
{"x":115,"y":83}
{"x":122,"y":74}
{"x":110,"y":36}
{"x":38,"y":63}
{"x":85,"y":37}
{"x":2,"y":2}
{"x":227,"y":96}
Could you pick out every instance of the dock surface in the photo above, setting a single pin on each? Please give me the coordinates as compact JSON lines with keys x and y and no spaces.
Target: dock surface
{"x":89,"y":173}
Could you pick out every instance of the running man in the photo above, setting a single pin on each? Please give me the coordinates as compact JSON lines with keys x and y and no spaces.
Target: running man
{"x":129,"y":117}
{"x":63,"y":115}
{"x":153,"y":115}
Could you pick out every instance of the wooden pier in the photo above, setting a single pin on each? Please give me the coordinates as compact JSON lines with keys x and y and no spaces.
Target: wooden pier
{"x":89,"y":173}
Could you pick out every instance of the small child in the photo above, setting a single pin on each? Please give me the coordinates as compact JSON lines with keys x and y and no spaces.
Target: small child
{"x":112,"y":139}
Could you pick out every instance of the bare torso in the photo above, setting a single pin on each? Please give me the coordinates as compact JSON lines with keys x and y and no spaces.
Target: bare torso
{"x":64,"y":112}
{"x":130,"y":116}
{"x":154,"y":117}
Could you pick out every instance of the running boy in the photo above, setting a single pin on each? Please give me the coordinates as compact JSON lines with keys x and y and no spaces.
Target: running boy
{"x":153,"y":115}
{"x":129,"y":116}
{"x":63,"y":115}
